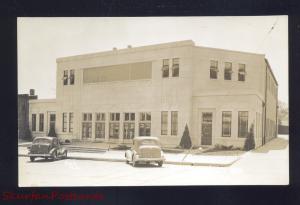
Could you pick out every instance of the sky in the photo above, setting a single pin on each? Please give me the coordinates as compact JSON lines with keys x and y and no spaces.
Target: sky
{"x":42,"y":40}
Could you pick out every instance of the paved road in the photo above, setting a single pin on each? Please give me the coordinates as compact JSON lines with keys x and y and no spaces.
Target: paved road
{"x":268,"y":165}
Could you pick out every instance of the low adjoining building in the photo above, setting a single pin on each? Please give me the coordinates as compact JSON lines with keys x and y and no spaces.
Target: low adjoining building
{"x":156,"y":90}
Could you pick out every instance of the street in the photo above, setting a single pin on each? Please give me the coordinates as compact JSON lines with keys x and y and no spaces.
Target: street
{"x":267,"y":165}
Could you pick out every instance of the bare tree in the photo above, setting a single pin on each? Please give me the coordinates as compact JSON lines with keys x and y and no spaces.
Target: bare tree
{"x":283,"y":112}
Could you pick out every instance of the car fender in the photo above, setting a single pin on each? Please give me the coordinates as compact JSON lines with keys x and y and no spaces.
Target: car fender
{"x":53,"y":150}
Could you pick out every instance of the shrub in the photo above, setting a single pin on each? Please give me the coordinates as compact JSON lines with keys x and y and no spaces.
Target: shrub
{"x":52,"y":132}
{"x":28,"y":134}
{"x":250,"y":141}
{"x":185,"y":141}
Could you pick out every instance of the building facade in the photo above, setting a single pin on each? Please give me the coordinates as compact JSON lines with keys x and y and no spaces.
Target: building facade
{"x":158,"y":89}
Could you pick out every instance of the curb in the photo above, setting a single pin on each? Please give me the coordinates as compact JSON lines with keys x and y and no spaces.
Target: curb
{"x":166,"y":162}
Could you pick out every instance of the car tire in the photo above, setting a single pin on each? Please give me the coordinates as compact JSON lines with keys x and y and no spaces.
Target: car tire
{"x":160,"y":163}
{"x":54,"y":156}
{"x":32,"y":159}
{"x":65,"y":155}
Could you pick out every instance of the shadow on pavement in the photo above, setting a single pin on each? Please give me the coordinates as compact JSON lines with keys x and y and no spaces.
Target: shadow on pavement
{"x":275,"y":144}
{"x":151,"y":165}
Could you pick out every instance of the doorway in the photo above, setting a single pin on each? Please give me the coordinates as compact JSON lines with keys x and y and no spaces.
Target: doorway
{"x":206,"y":128}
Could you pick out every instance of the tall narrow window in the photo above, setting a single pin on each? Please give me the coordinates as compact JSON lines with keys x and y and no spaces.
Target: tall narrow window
{"x":165,"y":68}
{"x":114,"y":125}
{"x":145,"y":124}
{"x":71,"y":117}
{"x":100,"y":125}
{"x":33,"y":122}
{"x":214,"y":69}
{"x":129,"y":125}
{"x":242,"y":72}
{"x":226,"y":124}
{"x":41,"y":122}
{"x":164,"y":123}
{"x":65,"y":78}
{"x":175,"y":67}
{"x":64,"y":122}
{"x":72,"y":77}
{"x":227,"y":71}
{"x":243,"y":124}
{"x":87,"y":125}
{"x":174,"y":123}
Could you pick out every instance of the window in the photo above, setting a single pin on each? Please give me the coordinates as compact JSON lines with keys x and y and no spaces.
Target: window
{"x":100,"y":125}
{"x":227,"y":71}
{"x":243,"y":124}
{"x":64,"y":123}
{"x":174,"y":123}
{"x":242,"y":72}
{"x":165,"y":68}
{"x":72,"y":77}
{"x":71,"y":116}
{"x":65,"y":79}
{"x":226,"y":124}
{"x":114,"y":125}
{"x":213,"y":69}
{"x":87,"y":125}
{"x":129,"y":125}
{"x":145,"y":124}
{"x":33,"y":122}
{"x":175,"y":67}
{"x":164,"y":123}
{"x":41,"y":122}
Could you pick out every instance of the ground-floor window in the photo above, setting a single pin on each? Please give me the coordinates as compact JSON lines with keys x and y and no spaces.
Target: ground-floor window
{"x":129,"y":125}
{"x":226,"y":124}
{"x":33,"y":122}
{"x":52,"y":121}
{"x":64,"y":122}
{"x":86,"y":130}
{"x":114,"y":130}
{"x":243,"y":124}
{"x":100,"y":130}
{"x":41,"y":122}
{"x":164,"y":123}
{"x":174,"y":123}
{"x":145,"y":124}
{"x":71,"y":117}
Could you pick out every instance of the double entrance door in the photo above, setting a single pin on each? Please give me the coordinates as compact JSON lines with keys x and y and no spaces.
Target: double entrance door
{"x":206,"y":120}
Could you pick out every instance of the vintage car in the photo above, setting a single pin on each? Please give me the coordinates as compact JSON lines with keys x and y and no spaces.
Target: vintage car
{"x":145,"y":150}
{"x":46,"y":147}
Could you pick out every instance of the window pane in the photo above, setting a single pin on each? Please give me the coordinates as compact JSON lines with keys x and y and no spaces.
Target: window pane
{"x":165,"y":71}
{"x":213,"y":64}
{"x":174,"y":122}
{"x":226,"y":124}
{"x":132,"y":116}
{"x":128,"y":131}
{"x":70,"y":122}
{"x":99,"y":130}
{"x":164,"y":123}
{"x":41,"y":122}
{"x":165,"y":62}
{"x":114,"y":130}
{"x":65,"y":78}
{"x":126,"y":116}
{"x":243,"y":124}
{"x":148,"y":116}
{"x":64,"y":122}
{"x":33,"y":122}
{"x":213,"y":74}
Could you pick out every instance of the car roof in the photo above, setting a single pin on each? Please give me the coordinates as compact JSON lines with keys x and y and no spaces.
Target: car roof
{"x":45,"y":137}
{"x":145,"y":138}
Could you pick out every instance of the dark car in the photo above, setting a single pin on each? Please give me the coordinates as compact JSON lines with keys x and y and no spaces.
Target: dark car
{"x":46,"y":147}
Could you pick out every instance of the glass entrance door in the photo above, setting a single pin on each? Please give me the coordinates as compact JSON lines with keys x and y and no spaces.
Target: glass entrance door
{"x":206,"y":128}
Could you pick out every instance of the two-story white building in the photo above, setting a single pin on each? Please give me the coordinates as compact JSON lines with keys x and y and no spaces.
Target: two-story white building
{"x":156,"y":90}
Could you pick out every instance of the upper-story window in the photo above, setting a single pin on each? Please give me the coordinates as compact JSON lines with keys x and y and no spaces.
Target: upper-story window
{"x":213,"y":69}
{"x":175,"y":67}
{"x":227,"y":71}
{"x":65,"y":79}
{"x":242,"y":72}
{"x":165,"y":68}
{"x":72,"y":77}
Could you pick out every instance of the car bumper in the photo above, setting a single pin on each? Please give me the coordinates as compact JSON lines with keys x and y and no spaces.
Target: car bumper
{"x":149,"y":159}
{"x":39,"y":155}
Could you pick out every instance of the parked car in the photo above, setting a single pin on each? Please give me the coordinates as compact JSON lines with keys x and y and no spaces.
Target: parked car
{"x":46,"y":147}
{"x":145,"y":150}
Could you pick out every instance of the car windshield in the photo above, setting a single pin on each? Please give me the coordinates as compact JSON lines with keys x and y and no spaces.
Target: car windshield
{"x":148,"y":142}
{"x":42,"y":141}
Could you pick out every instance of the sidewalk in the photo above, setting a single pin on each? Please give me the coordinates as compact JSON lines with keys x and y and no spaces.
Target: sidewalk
{"x":171,"y":158}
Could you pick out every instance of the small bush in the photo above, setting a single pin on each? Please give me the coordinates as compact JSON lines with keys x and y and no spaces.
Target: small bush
{"x":250,"y":141}
{"x":186,"y":142}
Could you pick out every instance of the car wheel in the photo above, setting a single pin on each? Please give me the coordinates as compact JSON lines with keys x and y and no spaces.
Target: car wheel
{"x":160,"y":163}
{"x":65,"y":155}
{"x":32,"y":159}
{"x":54,"y":156}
